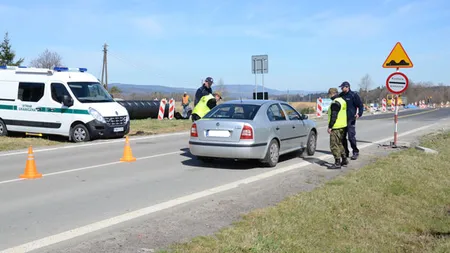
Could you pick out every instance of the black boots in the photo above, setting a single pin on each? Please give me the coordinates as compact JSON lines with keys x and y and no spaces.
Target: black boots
{"x":337,"y":164}
{"x":344,"y":161}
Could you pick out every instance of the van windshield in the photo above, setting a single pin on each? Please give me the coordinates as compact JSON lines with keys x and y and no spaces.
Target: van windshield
{"x":90,"y":92}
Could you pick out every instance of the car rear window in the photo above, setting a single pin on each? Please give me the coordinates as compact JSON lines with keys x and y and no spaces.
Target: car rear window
{"x":233,"y":111}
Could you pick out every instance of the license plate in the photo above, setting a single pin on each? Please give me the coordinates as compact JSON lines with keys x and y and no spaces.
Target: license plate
{"x":216,"y":133}
{"x":118,"y":129}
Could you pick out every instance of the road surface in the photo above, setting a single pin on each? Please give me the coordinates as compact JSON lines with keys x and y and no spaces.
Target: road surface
{"x":88,"y":201}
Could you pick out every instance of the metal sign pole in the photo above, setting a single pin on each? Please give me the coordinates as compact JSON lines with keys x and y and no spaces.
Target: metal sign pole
{"x":262,"y":80}
{"x":396,"y":119}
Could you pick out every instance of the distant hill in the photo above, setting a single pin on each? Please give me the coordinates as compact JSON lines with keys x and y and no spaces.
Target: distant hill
{"x":231,"y":90}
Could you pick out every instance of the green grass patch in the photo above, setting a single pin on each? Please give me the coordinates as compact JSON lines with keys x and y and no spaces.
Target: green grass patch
{"x":138,"y":127}
{"x":154,"y":126}
{"x":400,"y":203}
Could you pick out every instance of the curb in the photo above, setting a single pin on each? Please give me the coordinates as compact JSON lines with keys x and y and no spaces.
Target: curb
{"x":427,"y":150}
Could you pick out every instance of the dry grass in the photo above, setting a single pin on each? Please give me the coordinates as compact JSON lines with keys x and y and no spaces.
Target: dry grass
{"x":15,"y":143}
{"x":302,"y":105}
{"x":138,"y":127}
{"x":401,"y":203}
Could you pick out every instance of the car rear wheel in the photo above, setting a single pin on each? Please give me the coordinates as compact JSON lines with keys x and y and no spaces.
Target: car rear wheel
{"x":273,"y":154}
{"x":312,"y":143}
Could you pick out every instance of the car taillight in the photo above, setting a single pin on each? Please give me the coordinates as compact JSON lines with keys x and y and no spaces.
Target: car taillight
{"x":194,"y":130}
{"x":247,"y":132}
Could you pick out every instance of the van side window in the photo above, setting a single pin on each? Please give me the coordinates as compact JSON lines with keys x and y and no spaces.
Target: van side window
{"x":58,"y":92}
{"x":31,"y":92}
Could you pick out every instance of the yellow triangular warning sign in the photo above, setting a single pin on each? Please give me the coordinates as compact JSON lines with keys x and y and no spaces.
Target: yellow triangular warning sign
{"x":398,"y":58}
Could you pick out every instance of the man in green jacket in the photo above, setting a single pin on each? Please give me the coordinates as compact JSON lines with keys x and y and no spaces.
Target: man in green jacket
{"x":204,"y":105}
{"x":337,"y":124}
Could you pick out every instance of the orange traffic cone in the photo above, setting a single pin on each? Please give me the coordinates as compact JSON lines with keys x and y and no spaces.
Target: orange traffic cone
{"x":30,"y":167}
{"x":127,"y":154}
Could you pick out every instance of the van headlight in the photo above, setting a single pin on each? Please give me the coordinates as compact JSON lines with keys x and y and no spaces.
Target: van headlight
{"x":127,"y":118}
{"x":94,"y":113}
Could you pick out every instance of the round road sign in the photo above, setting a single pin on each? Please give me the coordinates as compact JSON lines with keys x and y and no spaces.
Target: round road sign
{"x":397,"y":83}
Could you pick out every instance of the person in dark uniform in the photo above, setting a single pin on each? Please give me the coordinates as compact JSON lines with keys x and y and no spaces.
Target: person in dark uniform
{"x":204,"y":90}
{"x":355,"y":110}
{"x":337,"y":123}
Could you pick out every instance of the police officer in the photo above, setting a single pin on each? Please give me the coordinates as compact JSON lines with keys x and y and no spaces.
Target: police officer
{"x":204,"y":90}
{"x":355,"y":110}
{"x":205,"y":104}
{"x":337,"y":123}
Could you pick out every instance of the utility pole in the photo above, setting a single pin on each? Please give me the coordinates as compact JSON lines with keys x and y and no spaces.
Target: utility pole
{"x":105,"y":66}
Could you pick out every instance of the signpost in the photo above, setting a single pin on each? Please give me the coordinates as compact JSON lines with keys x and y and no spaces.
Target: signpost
{"x":260,"y":65}
{"x":397,"y":82}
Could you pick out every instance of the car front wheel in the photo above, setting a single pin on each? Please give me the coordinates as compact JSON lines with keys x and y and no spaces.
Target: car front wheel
{"x":312,"y":143}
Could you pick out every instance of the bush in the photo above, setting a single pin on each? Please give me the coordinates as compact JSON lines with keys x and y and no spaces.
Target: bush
{"x":307,"y":110}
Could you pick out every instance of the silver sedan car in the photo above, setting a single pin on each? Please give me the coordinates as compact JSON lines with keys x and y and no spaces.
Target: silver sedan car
{"x":252,"y":129}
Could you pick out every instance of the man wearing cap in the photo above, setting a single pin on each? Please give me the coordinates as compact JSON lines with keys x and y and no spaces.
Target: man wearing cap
{"x":355,"y":109}
{"x":205,"y":105}
{"x":337,"y":123}
{"x":204,"y":90}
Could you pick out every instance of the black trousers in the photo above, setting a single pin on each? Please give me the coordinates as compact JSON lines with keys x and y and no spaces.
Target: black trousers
{"x":195,"y":117}
{"x":350,"y":130}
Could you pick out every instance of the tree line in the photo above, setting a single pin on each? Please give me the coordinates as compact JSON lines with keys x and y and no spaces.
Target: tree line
{"x":46,"y":59}
{"x":370,"y":93}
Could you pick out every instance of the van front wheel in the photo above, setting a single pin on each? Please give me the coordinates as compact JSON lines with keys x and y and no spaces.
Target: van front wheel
{"x":79,"y":133}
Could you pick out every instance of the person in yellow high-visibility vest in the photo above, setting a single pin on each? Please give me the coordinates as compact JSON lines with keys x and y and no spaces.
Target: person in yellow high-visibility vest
{"x":204,"y":105}
{"x":337,"y":124}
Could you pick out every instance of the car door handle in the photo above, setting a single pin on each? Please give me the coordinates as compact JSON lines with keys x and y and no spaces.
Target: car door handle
{"x":293,"y":126}
{"x":277,"y":128}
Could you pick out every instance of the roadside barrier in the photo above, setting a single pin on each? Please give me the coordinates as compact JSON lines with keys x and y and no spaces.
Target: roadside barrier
{"x":319,"y":107}
{"x":162,"y":108}
{"x":127,"y":153}
{"x":383,"y":105}
{"x":30,"y":167}
{"x":392,"y":104}
{"x":171,"y":108}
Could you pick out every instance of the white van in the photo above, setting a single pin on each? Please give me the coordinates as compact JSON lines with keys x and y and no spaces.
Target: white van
{"x":62,"y":101}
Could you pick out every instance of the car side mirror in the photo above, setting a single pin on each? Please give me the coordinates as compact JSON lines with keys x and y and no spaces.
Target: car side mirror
{"x":304,"y":116}
{"x":67,"y":101}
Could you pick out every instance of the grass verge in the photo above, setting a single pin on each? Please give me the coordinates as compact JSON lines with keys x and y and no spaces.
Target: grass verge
{"x":154,"y":126}
{"x":138,"y":127}
{"x":400,"y":203}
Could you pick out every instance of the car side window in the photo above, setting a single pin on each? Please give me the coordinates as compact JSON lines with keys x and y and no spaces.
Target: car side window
{"x":58,"y":92}
{"x":291,"y":112}
{"x":274,"y":113}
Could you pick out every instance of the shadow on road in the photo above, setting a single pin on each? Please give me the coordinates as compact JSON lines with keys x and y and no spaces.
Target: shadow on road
{"x":229,"y":164}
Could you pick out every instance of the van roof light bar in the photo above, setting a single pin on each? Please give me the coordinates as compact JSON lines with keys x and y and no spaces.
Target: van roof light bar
{"x":60,"y":69}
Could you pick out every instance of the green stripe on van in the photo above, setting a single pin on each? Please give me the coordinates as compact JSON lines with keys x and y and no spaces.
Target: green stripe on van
{"x":64,"y":110}
{"x":8,"y":107}
{"x":48,"y":109}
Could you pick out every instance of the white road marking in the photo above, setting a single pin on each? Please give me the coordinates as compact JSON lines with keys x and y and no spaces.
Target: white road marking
{"x":100,"y":142}
{"x":70,"y":234}
{"x":91,"y":167}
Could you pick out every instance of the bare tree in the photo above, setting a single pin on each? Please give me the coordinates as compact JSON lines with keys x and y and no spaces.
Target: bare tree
{"x":221,"y":88}
{"x":47,"y":60}
{"x":365,"y":85}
